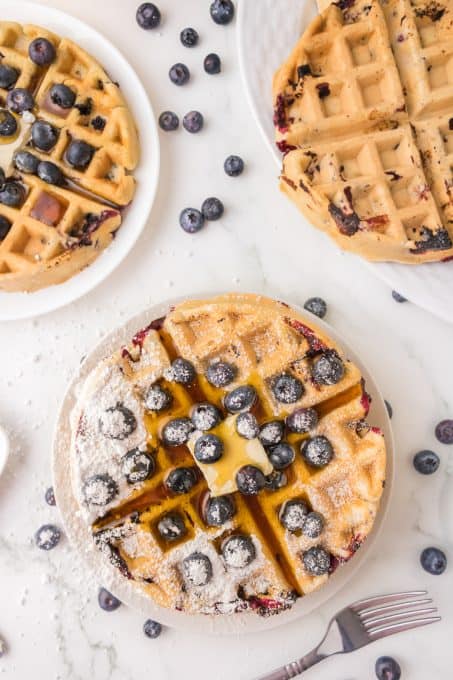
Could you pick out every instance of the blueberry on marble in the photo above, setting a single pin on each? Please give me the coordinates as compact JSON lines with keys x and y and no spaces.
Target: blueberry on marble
{"x":5,"y":226}
{"x":99,"y":489}
{"x":49,"y":496}
{"x":398,"y":297}
{"x":233,"y":166}
{"x":179,"y":74}
{"x":208,"y":448}
{"x":444,"y":431}
{"x":50,"y":173}
{"x":197,"y":569}
{"x":219,"y":510}
{"x":292,"y":515}
{"x":212,"y":208}
{"x":222,"y":11}
{"x":168,"y":121}
{"x":327,"y":369}
{"x":302,"y":420}
{"x":47,"y":537}
{"x":313,"y":525}
{"x":434,"y":561}
{"x":152,"y":629}
{"x":62,"y":96}
{"x":182,"y":371}
{"x":12,"y":194}
{"x":205,"y":416}
{"x":181,"y":480}
{"x":79,"y":154}
{"x":157,"y":398}
{"x":271,"y":433}
{"x":189,"y":37}
{"x":8,"y":76}
{"x":281,"y":455}
{"x":191,"y":220}
{"x":8,"y":124}
{"x":386,"y":668}
{"x":247,"y":426}
{"x":171,"y":527}
{"x":287,"y":389}
{"x":107,"y":601}
{"x":316,"y":561}
{"x":317,"y":451}
{"x":316,"y":306}
{"x":220,"y":373}
{"x":41,"y":51}
{"x":240,"y":399}
{"x":26,"y":162}
{"x":137,"y":466}
{"x":148,"y":16}
{"x":426,"y":462}
{"x":250,"y":480}
{"x":44,"y":136}
{"x":193,"y":122}
{"x":238,"y":551}
{"x":117,"y":422}
{"x":212,"y":64}
{"x":177,"y":431}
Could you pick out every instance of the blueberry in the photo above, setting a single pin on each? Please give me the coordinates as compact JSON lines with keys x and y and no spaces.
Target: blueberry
{"x":212,"y":64}
{"x":62,"y":96}
{"x":317,"y":451}
{"x":444,"y":431}
{"x":2,"y":177}
{"x":47,"y":537}
{"x":397,"y":297}
{"x":426,"y":462}
{"x":191,"y":220}
{"x":281,"y":455}
{"x":171,"y":527}
{"x":240,"y":399}
{"x":302,"y":420}
{"x":208,"y":448}
{"x":233,"y":166}
{"x":50,"y":173}
{"x":107,"y":601}
{"x":328,"y":369}
{"x":212,"y":209}
{"x":179,"y":74}
{"x":317,"y":306}
{"x":222,"y":11}
{"x":250,"y":480}
{"x":177,"y":431}
{"x":271,"y":433}
{"x":182,"y":371}
{"x":117,"y":422}
{"x":434,"y":561}
{"x":313,"y":525}
{"x":168,"y":121}
{"x":197,"y":569}
{"x":26,"y":162}
{"x":8,"y":124}
{"x":220,"y":373}
{"x":157,"y":398}
{"x":193,"y":121}
{"x":292,"y":515}
{"x":287,"y":389}
{"x":50,"y":496}
{"x":316,"y":561}
{"x":99,"y":489}
{"x":388,"y":406}
{"x":98,"y":123}
{"x":276,"y":480}
{"x":205,"y":416}
{"x":152,"y":629}
{"x":41,"y":52}
{"x":44,"y":135}
{"x":137,"y":466}
{"x":219,"y":510}
{"x":387,"y":668}
{"x":247,"y":426}
{"x":148,"y":16}
{"x":5,"y":226}
{"x":12,"y":194}
{"x":79,"y":154}
{"x":238,"y":551}
{"x":8,"y":76}
{"x":181,"y":480}
{"x":189,"y":37}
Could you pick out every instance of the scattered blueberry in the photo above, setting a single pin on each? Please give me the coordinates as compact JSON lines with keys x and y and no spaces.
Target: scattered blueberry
{"x":99,"y":489}
{"x":182,"y":371}
{"x":388,"y":406}
{"x":179,"y":74}
{"x":193,"y":121}
{"x":247,"y":426}
{"x":302,"y":420}
{"x":62,"y":96}
{"x":317,"y":451}
{"x":426,"y":462}
{"x":137,"y":466}
{"x":317,"y":306}
{"x":238,"y":551}
{"x":219,"y":510}
{"x":316,"y":561}
{"x":208,"y":448}
{"x":271,"y":433}
{"x":313,"y":525}
{"x":397,"y":297}
{"x":233,"y":166}
{"x":8,"y":124}
{"x":5,"y":226}
{"x":191,"y":220}
{"x":157,"y":398}
{"x":12,"y":194}
{"x":41,"y":52}
{"x":387,"y":668}
{"x":287,"y":389}
{"x":281,"y":455}
{"x":276,"y":480}
{"x":117,"y":422}
{"x":79,"y":154}
{"x":177,"y":431}
{"x":168,"y":121}
{"x":212,"y":64}
{"x":8,"y":76}
{"x":47,"y":537}
{"x":152,"y":629}
{"x":181,"y":480}
{"x":250,"y":480}
{"x":107,"y":601}
{"x":220,"y":373}
{"x":50,"y":496}
{"x":328,"y":369}
{"x":434,"y":561}
{"x":44,"y":135}
{"x":205,"y":416}
{"x":240,"y":399}
{"x":189,"y":37}
{"x":148,"y":16}
{"x":444,"y":431}
{"x":222,"y":11}
{"x":212,"y":209}
{"x":197,"y":569}
{"x":26,"y":162}
{"x":50,"y":173}
{"x":171,"y":527}
{"x":292,"y":515}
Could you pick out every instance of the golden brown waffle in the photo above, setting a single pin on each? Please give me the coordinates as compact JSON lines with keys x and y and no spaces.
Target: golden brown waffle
{"x":362,"y":112}
{"x":262,"y":339}
{"x":44,"y":247}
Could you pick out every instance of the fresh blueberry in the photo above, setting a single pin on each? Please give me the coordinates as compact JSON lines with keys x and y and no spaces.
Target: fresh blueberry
{"x":44,"y":135}
{"x":212,"y":209}
{"x":271,"y":433}
{"x":397,"y":297}
{"x":5,"y":226}
{"x":220,"y":373}
{"x":292,"y":515}
{"x":313,"y":525}
{"x":388,"y":406}
{"x":240,"y":399}
{"x":148,"y":16}
{"x":287,"y":389}
{"x":434,"y":561}
{"x":316,"y":561}
{"x":189,"y":37}
{"x":317,"y":306}
{"x":205,"y":416}
{"x":137,"y":466}
{"x":281,"y":455}
{"x":177,"y":431}
{"x":26,"y":162}
{"x":302,"y":420}
{"x":247,"y":426}
{"x":47,"y":537}
{"x":12,"y":194}
{"x":238,"y":551}
{"x":50,"y":496}
{"x":152,"y":629}
{"x":426,"y":462}
{"x":107,"y":601}
{"x":171,"y":527}
{"x":79,"y":154}
{"x":8,"y":76}
{"x":117,"y":422}
{"x":197,"y":569}
{"x":387,"y":668}
{"x":157,"y":398}
{"x":219,"y":510}
{"x":182,"y":371}
{"x":222,"y":11}
{"x":317,"y":451}
{"x":41,"y":52}
{"x":168,"y":121}
{"x":233,"y":166}
{"x":179,"y":74}
{"x":250,"y":480}
{"x":212,"y":64}
{"x":444,"y":431}
{"x":50,"y":173}
{"x":181,"y":480}
{"x":193,"y":121}
{"x":100,"y":489}
{"x":328,"y":369}
{"x":8,"y":124}
{"x":191,"y":220}
{"x":62,"y":96}
{"x":208,"y":448}
{"x":276,"y":480}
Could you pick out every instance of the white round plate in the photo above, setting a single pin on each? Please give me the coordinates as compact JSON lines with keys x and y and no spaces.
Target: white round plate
{"x":80,"y":536}
{"x":267,"y":32}
{"x":24,"y":305}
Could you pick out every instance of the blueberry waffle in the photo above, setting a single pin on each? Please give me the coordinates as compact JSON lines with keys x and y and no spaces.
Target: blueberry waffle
{"x":68,"y":146}
{"x":222,"y":459}
{"x":364,"y":118}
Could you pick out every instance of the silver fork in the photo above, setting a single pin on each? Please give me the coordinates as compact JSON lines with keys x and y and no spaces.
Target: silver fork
{"x":361,"y":623}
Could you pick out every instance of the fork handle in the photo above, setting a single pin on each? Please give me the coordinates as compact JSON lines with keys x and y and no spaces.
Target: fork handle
{"x":294,"y":668}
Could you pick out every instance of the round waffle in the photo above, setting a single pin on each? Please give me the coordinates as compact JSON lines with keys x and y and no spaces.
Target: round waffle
{"x":363,"y":115}
{"x":59,"y":227}
{"x":203,"y":545}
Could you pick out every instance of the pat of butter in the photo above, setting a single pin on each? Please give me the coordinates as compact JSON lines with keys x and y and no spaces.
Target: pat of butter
{"x":238,"y":451}
{"x":8,"y":150}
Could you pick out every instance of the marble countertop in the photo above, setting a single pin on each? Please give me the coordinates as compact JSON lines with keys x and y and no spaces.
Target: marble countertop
{"x":49,"y":614}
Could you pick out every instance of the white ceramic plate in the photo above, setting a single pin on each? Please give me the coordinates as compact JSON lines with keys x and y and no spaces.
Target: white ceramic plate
{"x":81,"y":539}
{"x":267,"y":32}
{"x":23,"y":305}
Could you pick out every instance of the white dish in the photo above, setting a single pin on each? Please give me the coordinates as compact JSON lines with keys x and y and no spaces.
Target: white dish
{"x":4,"y":448}
{"x":24,"y":305}
{"x":80,"y":536}
{"x":267,"y":31}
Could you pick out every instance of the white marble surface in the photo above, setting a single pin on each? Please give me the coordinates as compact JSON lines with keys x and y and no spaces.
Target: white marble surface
{"x":49,"y":615}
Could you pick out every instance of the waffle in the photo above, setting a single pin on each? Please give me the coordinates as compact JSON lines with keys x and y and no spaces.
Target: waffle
{"x":49,"y":244}
{"x":363,"y":112}
{"x":262,"y":340}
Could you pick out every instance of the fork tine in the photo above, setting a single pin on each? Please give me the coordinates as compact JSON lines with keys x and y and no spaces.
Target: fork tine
{"x":360,"y":605}
{"x":399,"y":617}
{"x":368,"y":614}
{"x":385,"y":631}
